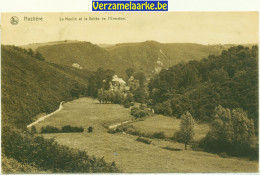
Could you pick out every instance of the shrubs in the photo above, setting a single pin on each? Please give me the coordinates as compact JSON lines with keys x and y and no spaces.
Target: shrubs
{"x":10,"y":165}
{"x":163,"y":108}
{"x":144,"y":140}
{"x":48,"y":155}
{"x":132,"y":103}
{"x":127,"y":105}
{"x":68,"y":128}
{"x":33,"y":129}
{"x":159,"y":135}
{"x":121,"y":128}
{"x":172,"y":149}
{"x":50,"y":129}
{"x":140,"y":112}
{"x":64,"y":129}
{"x":90,"y":129}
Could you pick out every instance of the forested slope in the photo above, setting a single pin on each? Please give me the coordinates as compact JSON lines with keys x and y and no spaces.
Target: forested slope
{"x":229,"y":80}
{"x":31,"y":86}
{"x":119,"y":57}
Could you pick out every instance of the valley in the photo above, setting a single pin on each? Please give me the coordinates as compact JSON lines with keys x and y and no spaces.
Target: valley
{"x":131,"y":124}
{"x":129,"y":154}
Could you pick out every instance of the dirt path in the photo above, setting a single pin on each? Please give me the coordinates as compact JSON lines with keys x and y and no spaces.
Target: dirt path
{"x":46,"y":116}
{"x":118,"y":124}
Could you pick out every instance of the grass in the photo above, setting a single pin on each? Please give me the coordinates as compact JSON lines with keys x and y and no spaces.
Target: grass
{"x":86,"y":112}
{"x":129,"y":154}
{"x":167,"y":125}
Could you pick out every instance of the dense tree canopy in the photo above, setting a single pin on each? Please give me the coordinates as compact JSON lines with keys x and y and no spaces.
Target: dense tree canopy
{"x":231,"y":132}
{"x":99,"y":79}
{"x":230,"y":79}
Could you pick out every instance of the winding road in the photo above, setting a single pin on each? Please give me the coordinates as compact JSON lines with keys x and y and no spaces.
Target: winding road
{"x":46,"y":116}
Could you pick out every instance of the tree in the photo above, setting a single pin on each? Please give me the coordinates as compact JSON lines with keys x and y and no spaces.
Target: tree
{"x":30,"y":52}
{"x":75,"y":90}
{"x":129,"y":98}
{"x":100,"y":95}
{"x":39,"y":56}
{"x":108,"y":78}
{"x":140,"y":95}
{"x":231,"y":132}
{"x":243,"y":127}
{"x":186,"y":128}
{"x":141,"y":77}
{"x":226,"y":132}
{"x":99,"y":79}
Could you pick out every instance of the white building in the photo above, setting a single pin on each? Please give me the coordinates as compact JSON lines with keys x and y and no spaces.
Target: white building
{"x":118,"y":83}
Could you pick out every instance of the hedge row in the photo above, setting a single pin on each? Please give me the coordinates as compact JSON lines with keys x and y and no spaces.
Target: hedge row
{"x":64,"y":129}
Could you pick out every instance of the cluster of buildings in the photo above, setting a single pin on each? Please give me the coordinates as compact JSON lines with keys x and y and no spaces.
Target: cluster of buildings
{"x":119,"y":84}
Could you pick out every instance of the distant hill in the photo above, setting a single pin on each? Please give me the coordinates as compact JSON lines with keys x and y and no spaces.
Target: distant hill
{"x":147,"y":55}
{"x":119,"y":57}
{"x":34,"y":46}
{"x":87,"y":55}
{"x":31,"y":86}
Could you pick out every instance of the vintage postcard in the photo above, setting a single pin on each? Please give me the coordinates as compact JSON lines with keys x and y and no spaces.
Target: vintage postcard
{"x":129,"y":92}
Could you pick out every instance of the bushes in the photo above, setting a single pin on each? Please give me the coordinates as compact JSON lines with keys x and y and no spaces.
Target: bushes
{"x":144,"y":140}
{"x":140,"y":112}
{"x":159,"y":135}
{"x":50,"y":129}
{"x":10,"y":165}
{"x":90,"y":129}
{"x":127,"y":105}
{"x":68,"y":128}
{"x":64,"y":129}
{"x":33,"y":129}
{"x":121,"y":128}
{"x":47,"y":155}
{"x":163,"y":108}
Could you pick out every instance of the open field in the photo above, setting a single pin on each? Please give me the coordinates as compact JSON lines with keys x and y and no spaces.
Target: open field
{"x":168,"y":125}
{"x":87,"y":112}
{"x":129,"y":154}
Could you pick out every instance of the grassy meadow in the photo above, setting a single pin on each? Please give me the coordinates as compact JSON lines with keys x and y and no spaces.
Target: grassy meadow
{"x":167,"y":125}
{"x":129,"y":154}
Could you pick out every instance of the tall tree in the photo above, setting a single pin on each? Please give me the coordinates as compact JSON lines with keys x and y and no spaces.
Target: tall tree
{"x":186,"y":128}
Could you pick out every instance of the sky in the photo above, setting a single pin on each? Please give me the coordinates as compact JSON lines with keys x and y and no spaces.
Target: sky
{"x":164,"y":27}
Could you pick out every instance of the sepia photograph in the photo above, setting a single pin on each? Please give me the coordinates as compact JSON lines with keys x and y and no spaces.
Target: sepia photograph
{"x":129,"y":92}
